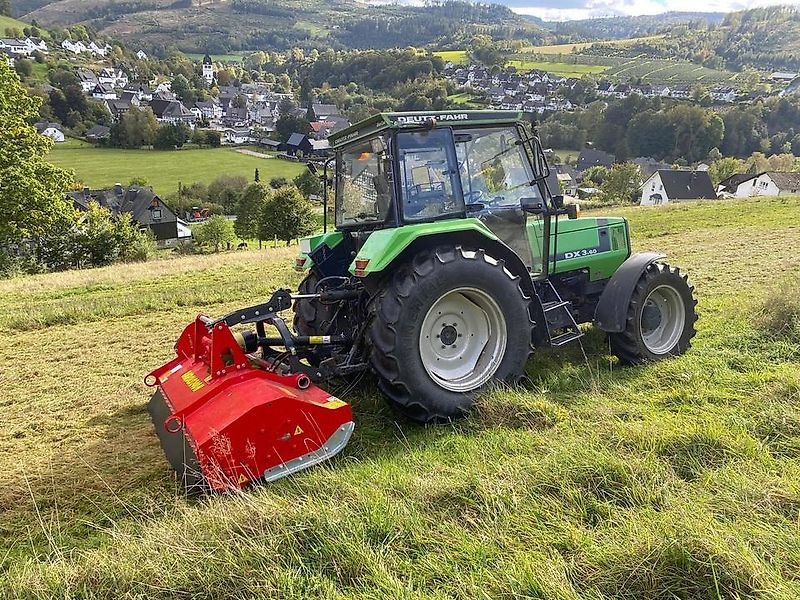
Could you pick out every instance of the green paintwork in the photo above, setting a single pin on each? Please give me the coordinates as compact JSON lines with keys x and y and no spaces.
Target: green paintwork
{"x":384,"y":245}
{"x":597,"y":243}
{"x":331,"y":239}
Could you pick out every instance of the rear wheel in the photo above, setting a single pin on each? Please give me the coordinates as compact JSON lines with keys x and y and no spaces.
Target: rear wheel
{"x":661,"y":317}
{"x":444,"y":327}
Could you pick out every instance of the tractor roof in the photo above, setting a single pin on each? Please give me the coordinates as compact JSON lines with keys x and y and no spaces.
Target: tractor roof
{"x":401,"y":120}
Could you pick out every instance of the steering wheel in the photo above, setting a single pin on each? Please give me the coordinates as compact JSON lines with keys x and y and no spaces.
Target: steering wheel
{"x":473,"y":197}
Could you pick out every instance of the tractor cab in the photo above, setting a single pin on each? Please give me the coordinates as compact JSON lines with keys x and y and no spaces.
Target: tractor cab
{"x":405,"y":169}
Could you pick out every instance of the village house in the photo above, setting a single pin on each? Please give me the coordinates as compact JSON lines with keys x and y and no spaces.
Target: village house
{"x":665,"y":186}
{"x":51,"y":130}
{"x":16,"y":46}
{"x":146,"y":209}
{"x":87,"y":80}
{"x":104,"y":92}
{"x":98,"y":134}
{"x":8,"y":56}
{"x":210,"y":110}
{"x":590,"y":157}
{"x":769,"y":183}
{"x":115,"y":78}
{"x":172,"y":112}
{"x":141,"y":55}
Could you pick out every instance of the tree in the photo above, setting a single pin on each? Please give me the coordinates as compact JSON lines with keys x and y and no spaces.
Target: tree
{"x":597,"y":174}
{"x":286,"y":215}
{"x":32,"y":200}
{"x":289,"y":124}
{"x":308,"y":184}
{"x":172,"y":136}
{"x":226,"y":190}
{"x":23,"y":67}
{"x":5,"y":7}
{"x":181,"y":88}
{"x":248,"y":213}
{"x":622,"y":183}
{"x":135,"y":129}
{"x":723,"y":168}
{"x":97,"y":240}
{"x":215,"y":232}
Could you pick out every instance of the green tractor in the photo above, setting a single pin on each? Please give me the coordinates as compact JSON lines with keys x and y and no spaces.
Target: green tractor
{"x":452,"y":262}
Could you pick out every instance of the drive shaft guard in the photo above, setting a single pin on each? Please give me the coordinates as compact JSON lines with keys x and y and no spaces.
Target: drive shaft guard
{"x":225,"y":420}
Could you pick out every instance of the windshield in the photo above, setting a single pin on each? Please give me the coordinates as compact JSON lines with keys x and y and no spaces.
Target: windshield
{"x":364,"y":190}
{"x":493,"y":167}
{"x":428,"y":174}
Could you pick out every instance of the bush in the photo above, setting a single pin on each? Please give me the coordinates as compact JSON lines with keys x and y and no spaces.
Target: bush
{"x":779,"y":314}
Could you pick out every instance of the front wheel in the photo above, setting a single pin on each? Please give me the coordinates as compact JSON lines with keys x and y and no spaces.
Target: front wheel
{"x":661,"y":317}
{"x":444,"y":326}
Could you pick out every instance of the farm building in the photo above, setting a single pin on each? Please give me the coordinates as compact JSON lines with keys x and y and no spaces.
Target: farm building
{"x":665,"y":186}
{"x":145,"y":207}
{"x":769,"y":183}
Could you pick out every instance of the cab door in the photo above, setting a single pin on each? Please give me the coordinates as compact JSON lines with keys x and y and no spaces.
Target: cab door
{"x":497,"y":180}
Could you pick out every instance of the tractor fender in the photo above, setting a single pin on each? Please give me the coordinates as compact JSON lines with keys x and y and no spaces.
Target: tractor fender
{"x":384,"y":257}
{"x":612,"y":308}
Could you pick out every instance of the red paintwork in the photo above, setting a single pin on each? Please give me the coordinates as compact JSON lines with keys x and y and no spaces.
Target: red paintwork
{"x":239,"y":418}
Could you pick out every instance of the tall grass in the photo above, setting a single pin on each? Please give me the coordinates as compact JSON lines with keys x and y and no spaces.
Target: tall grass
{"x":588,"y":481}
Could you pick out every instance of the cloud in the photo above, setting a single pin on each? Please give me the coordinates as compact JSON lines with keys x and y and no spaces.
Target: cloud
{"x":554,"y":10}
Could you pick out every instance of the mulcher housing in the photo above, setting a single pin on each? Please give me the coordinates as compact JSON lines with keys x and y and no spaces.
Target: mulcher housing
{"x":451,"y":259}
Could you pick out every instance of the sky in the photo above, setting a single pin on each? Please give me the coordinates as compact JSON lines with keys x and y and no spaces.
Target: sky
{"x":562,"y":10}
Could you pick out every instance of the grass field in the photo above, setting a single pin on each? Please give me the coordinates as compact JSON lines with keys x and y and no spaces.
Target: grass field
{"x":8,"y":22}
{"x":568,"y":48}
{"x":679,"y":480}
{"x":561,"y":69}
{"x":459,"y":57}
{"x":99,"y":167}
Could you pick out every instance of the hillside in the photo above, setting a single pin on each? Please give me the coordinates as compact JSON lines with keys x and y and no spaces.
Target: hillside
{"x":591,"y":481}
{"x":223,"y":25}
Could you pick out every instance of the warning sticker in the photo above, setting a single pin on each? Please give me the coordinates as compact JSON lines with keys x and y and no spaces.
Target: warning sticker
{"x":319,"y":339}
{"x":192,"y":381}
{"x":334,"y":403}
{"x":298,"y":430}
{"x":242,"y":479}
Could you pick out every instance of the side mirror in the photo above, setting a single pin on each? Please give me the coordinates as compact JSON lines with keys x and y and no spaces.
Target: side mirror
{"x":573,"y":211}
{"x":558,"y":201}
{"x":532,"y":205}
{"x":539,"y":160}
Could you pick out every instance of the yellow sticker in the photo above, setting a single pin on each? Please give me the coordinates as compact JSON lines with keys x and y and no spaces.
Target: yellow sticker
{"x":242,"y":479}
{"x":298,"y":430}
{"x":336,"y":403}
{"x":192,"y":381}
{"x":319,"y":339}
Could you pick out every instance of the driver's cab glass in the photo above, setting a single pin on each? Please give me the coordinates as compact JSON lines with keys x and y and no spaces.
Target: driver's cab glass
{"x":364,"y":190}
{"x":428,"y":175}
{"x":496,"y":176}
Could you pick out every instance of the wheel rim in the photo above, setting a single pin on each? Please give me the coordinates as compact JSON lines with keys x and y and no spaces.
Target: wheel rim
{"x":662,"y":319}
{"x":463,"y":339}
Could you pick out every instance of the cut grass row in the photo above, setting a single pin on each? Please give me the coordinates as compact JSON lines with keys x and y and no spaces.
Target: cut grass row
{"x":103,"y":167}
{"x":590,"y":481}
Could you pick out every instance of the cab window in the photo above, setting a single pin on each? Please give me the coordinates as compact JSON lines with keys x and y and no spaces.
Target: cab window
{"x":364,"y":190}
{"x":493,"y":167}
{"x":428,"y":175}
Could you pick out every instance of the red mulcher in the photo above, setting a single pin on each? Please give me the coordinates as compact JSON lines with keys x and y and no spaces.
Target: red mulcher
{"x":227,"y":416}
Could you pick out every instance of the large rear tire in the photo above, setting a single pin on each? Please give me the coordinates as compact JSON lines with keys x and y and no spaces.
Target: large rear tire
{"x":444,"y":327}
{"x":661,"y":317}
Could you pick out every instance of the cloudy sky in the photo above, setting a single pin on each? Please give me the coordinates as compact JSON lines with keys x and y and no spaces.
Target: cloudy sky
{"x":559,"y":10}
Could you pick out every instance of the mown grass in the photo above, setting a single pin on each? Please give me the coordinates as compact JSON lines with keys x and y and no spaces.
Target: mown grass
{"x":589,"y":481}
{"x":561,"y":69}
{"x":103,"y":167}
{"x":459,"y":57}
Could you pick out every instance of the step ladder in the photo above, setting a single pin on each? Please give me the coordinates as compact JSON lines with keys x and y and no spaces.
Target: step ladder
{"x":561,"y":325}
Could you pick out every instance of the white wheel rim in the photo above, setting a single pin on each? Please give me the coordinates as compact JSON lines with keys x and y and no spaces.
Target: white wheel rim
{"x":662,"y":320}
{"x":462,"y":339}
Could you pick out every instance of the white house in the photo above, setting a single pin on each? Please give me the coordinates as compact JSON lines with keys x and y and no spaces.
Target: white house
{"x":141,"y":55}
{"x":769,"y":183}
{"x":51,"y":130}
{"x":75,"y":47}
{"x":665,"y":186}
{"x":104,"y":92}
{"x":87,"y":79}
{"x":97,"y":49}
{"x":37,"y":44}
{"x":115,"y":78}
{"x":15,"y":46}
{"x":6,"y":53}
{"x":237,"y":136}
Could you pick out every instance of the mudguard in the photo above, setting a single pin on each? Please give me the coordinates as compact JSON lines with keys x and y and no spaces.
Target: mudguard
{"x":612,"y":309}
